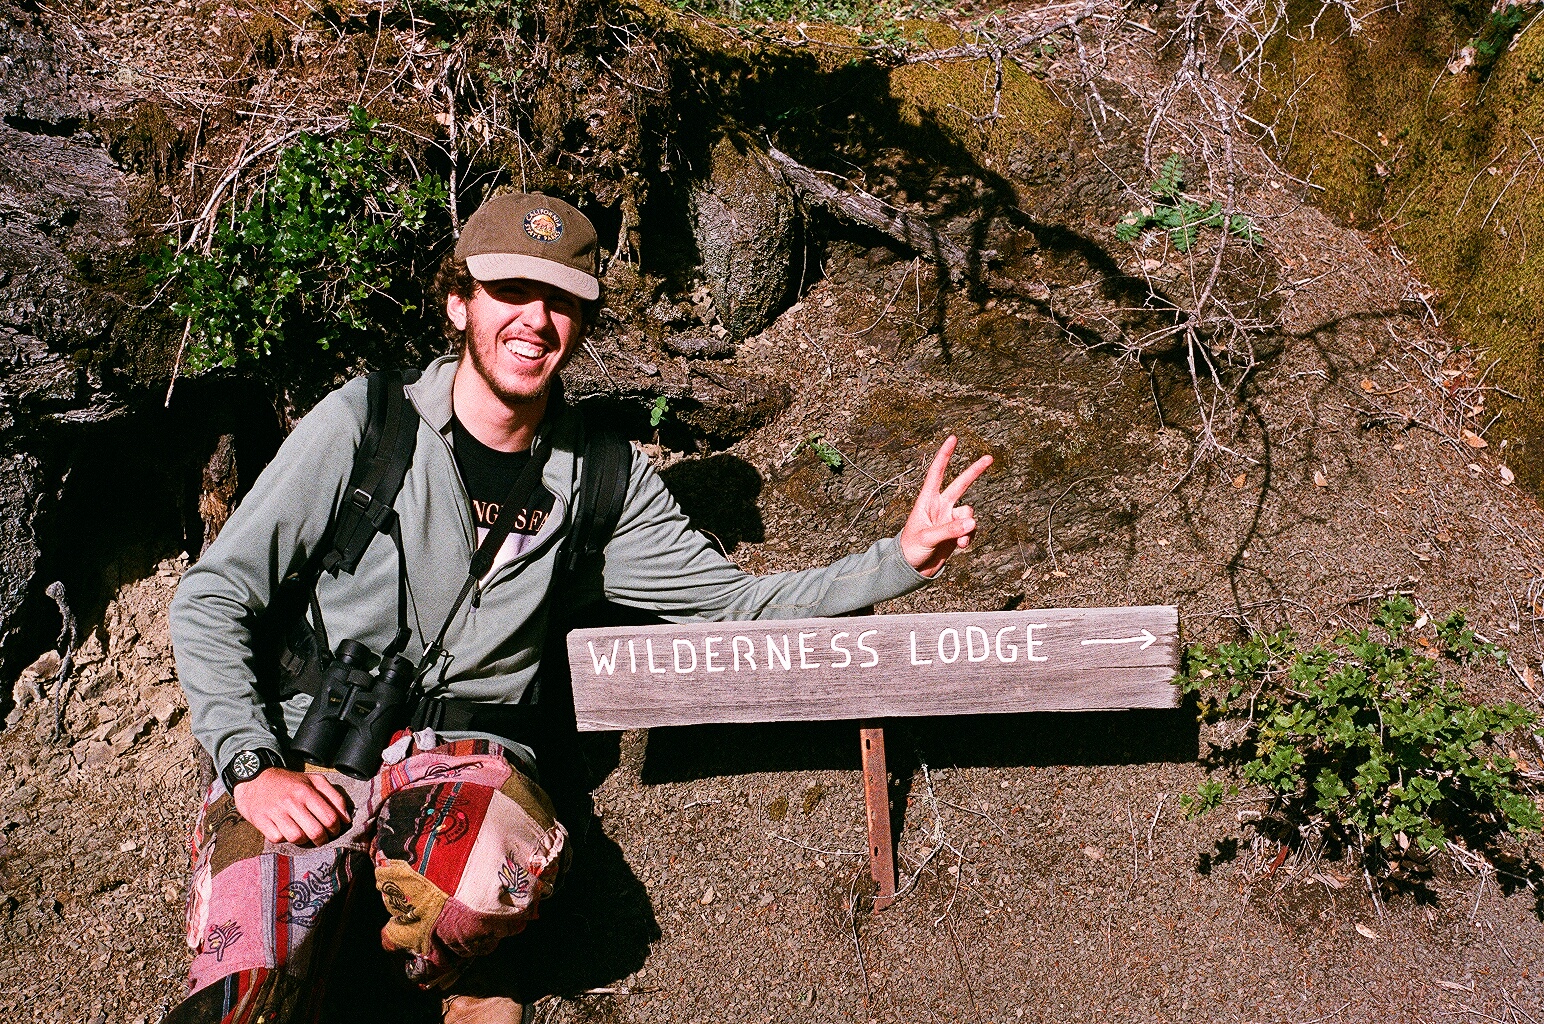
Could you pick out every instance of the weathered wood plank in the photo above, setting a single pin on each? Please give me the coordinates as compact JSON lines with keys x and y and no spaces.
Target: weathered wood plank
{"x":882,"y":666}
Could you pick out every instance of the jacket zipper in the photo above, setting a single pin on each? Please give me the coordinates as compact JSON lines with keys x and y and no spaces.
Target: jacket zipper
{"x":466,"y":500}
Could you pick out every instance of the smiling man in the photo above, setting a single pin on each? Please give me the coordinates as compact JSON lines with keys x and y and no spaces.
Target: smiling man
{"x":454,"y":831}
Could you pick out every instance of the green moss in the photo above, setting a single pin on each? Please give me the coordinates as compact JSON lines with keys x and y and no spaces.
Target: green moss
{"x":958,"y":96}
{"x":1442,"y":163}
{"x":954,"y":98}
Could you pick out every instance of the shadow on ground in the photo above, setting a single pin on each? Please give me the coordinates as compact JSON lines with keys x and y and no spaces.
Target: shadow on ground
{"x":684,"y":753}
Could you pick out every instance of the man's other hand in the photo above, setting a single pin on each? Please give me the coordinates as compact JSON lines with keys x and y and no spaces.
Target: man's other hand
{"x":293,"y":807}
{"x":937,"y":527}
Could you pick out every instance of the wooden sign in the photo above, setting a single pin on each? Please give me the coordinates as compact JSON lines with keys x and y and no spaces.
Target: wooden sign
{"x":878,"y":666}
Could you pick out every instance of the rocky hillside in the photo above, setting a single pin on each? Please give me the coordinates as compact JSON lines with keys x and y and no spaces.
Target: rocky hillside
{"x":998,"y":224}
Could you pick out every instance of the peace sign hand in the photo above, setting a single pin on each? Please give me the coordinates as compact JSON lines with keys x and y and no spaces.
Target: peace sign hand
{"x":937,"y":527}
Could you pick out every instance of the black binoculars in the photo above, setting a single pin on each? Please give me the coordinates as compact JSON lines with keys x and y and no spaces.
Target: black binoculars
{"x":356,"y":712}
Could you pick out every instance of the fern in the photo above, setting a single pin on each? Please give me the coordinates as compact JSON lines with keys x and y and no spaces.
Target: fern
{"x":1181,"y":218}
{"x":1171,"y":178}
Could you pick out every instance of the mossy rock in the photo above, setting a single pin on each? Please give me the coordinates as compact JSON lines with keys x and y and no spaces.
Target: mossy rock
{"x":744,"y":221}
{"x":1441,"y":161}
{"x":958,"y":96}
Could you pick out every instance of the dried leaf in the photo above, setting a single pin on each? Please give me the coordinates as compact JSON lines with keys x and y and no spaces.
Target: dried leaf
{"x":1475,"y":470}
{"x":708,"y":896}
{"x":1320,"y":480}
{"x":1093,"y":852}
{"x":1453,"y":986}
{"x":1240,"y":480}
{"x":1474,"y":440}
{"x":1461,"y":63}
{"x":1507,"y":476}
{"x":1366,"y":932}
{"x":1368,"y":385}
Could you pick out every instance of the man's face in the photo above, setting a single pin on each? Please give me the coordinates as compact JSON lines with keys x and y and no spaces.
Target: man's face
{"x":518,"y":334}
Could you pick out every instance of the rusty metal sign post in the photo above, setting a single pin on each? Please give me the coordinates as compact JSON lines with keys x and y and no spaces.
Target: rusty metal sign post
{"x":876,"y":801}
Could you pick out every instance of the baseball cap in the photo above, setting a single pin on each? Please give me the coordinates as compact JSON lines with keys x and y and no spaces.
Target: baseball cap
{"x":534,"y":237}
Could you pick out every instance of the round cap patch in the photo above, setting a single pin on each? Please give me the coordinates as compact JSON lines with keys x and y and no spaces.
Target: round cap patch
{"x":543,"y":225}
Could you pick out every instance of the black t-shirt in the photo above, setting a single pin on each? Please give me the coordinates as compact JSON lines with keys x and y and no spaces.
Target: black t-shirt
{"x":489,"y":474}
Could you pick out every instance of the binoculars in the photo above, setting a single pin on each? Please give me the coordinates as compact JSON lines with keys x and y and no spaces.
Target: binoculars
{"x":355,"y":712}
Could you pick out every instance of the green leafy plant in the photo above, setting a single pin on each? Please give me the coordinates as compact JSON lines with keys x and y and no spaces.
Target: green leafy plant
{"x":1179,"y":216}
{"x":825,"y":453}
{"x":1496,"y":35}
{"x":313,"y":256}
{"x":658,"y":411}
{"x":1367,"y":739}
{"x":455,"y":16}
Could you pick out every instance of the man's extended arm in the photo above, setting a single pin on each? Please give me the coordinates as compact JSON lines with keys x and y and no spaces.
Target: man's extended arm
{"x":655,"y":561}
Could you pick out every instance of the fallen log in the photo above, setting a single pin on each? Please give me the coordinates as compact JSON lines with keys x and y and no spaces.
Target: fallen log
{"x":859,"y":207}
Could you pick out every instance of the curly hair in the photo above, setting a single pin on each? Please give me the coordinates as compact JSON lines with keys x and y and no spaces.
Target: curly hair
{"x":453,"y":278}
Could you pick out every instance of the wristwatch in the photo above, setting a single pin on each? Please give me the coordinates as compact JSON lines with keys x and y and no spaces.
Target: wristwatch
{"x":248,"y":765}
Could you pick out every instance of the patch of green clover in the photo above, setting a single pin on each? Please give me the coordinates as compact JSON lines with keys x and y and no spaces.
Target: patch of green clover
{"x":312,"y":257}
{"x":1369,"y":736}
{"x":658,"y":411}
{"x":826,"y":453}
{"x":1178,"y":216}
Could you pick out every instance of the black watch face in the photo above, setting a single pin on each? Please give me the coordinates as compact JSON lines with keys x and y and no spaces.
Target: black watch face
{"x":245,"y":766}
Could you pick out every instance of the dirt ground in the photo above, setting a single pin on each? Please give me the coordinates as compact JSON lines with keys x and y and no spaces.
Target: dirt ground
{"x":1047,"y":874}
{"x":1046,"y":871}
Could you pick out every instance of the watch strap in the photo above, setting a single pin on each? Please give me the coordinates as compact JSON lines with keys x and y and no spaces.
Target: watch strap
{"x":265,"y":759}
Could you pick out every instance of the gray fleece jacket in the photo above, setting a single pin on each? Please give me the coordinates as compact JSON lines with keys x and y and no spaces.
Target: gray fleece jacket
{"x":654,"y":561}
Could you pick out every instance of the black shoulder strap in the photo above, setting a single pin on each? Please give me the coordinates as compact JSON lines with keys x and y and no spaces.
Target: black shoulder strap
{"x":297,"y":648}
{"x":603,"y":480}
{"x":380,"y":463}
{"x":608,"y":462}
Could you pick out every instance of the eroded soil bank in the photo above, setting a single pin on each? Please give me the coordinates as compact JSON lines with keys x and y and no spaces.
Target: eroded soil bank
{"x":1047,"y":872}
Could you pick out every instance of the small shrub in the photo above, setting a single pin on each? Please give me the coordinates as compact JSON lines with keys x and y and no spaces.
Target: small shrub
{"x":1180,"y":217}
{"x":1366,"y":739}
{"x":825,"y":453}
{"x":880,"y":18}
{"x":314,"y":256}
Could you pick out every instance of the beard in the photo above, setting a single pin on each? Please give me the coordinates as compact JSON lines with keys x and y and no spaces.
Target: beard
{"x":480,"y":351}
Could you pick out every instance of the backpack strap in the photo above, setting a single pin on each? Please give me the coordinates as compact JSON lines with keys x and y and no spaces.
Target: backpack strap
{"x":301,"y":646}
{"x":603,"y":480}
{"x":380,"y":464}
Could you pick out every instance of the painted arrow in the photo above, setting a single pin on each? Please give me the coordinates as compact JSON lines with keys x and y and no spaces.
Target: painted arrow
{"x":1146,"y":640}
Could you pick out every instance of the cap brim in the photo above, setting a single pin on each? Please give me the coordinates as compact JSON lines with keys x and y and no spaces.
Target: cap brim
{"x":499,"y":266}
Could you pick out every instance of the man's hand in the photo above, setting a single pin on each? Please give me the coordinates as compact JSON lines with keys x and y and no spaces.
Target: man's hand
{"x":293,"y":807}
{"x":937,"y":527}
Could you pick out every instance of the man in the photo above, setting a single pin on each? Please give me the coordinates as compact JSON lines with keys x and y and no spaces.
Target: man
{"x":460,"y":864}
